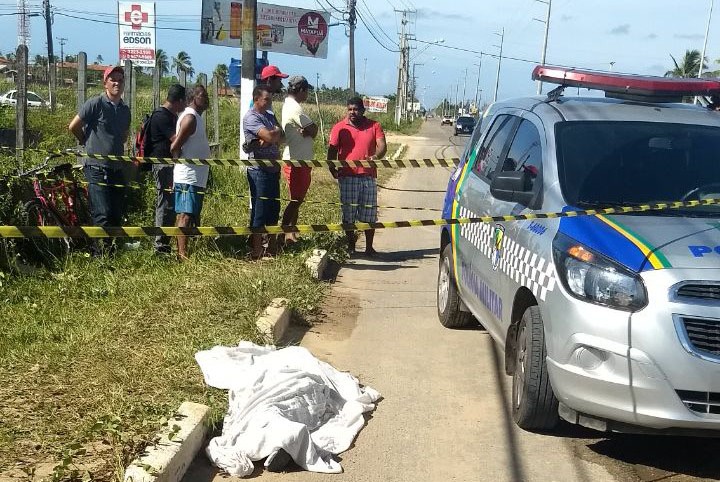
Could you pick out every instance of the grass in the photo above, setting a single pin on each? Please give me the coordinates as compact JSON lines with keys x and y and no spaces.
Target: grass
{"x":96,"y":355}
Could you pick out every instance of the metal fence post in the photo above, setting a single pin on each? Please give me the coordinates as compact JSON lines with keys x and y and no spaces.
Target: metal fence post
{"x":81,"y":79}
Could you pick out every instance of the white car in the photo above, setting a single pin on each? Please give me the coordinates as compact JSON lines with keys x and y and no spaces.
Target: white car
{"x":33,"y":100}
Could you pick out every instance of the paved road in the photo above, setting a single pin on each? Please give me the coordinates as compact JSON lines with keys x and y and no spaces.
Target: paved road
{"x":444,"y":415}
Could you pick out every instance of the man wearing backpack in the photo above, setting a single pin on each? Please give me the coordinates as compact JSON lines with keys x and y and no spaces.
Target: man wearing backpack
{"x":159,"y":136}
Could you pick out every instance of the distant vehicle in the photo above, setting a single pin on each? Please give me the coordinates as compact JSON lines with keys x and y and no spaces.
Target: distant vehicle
{"x":464,"y":124}
{"x":446,"y":119}
{"x":33,"y":100}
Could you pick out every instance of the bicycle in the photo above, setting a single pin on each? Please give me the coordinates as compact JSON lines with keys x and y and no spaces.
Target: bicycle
{"x":59,"y":200}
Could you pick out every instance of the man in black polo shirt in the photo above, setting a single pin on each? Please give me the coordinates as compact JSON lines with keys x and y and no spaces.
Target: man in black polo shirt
{"x":161,"y":133}
{"x":102,"y":126}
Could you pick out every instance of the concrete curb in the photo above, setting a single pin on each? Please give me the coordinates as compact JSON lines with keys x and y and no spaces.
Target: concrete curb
{"x":178,"y":443}
{"x":399,"y":152}
{"x":317,"y":263}
{"x":274,"y":321}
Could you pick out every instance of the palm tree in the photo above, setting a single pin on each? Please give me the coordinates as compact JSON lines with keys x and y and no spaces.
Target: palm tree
{"x":99,"y":60}
{"x":221,"y":74}
{"x":183,"y":62}
{"x":689,"y":67}
{"x":161,"y":60}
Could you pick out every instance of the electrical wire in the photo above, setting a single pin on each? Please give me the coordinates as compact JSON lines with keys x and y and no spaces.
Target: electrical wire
{"x":373,"y":35}
{"x":369,"y":12}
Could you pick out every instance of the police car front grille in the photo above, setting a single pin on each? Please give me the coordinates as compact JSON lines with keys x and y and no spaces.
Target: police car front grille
{"x":703,"y":334}
{"x":700,"y":291}
{"x":701,"y":402}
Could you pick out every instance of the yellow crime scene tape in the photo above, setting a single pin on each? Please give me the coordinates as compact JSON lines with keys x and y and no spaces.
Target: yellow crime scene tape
{"x":213,"y":231}
{"x":220,"y":194}
{"x":314,"y":163}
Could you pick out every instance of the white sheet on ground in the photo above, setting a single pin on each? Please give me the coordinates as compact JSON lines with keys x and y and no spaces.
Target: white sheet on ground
{"x":285,"y":399}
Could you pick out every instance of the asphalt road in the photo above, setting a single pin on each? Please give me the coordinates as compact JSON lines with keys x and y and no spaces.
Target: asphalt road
{"x":444,"y":413}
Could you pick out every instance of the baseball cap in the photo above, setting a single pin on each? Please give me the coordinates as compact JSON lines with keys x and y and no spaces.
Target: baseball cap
{"x":272,"y":71}
{"x":110,"y":70}
{"x":299,"y":81}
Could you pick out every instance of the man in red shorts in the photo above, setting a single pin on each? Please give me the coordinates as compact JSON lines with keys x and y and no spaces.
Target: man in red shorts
{"x":357,"y":138}
{"x":300,"y":131}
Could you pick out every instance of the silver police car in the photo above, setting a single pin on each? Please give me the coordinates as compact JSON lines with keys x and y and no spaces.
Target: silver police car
{"x":608,"y":321}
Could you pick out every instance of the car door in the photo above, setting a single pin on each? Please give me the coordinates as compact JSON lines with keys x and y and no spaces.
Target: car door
{"x":472,"y":242}
{"x":521,"y":256}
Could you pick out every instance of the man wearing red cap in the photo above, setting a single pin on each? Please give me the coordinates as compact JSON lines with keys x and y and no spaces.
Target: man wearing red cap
{"x":272,"y":77}
{"x":102,"y":125}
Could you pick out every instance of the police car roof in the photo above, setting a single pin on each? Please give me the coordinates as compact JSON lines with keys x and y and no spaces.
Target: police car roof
{"x":603,"y":109}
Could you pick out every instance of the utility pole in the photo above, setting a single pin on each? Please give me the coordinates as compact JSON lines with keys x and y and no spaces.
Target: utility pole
{"x":402,"y":74}
{"x":457,"y":91}
{"x":52,"y":85}
{"x":707,"y":31}
{"x":497,"y":77}
{"x":352,"y":21}
{"x":414,"y":88}
{"x":62,"y":41}
{"x":364,"y":75}
{"x":477,"y":87}
{"x":545,"y":41}
{"x":249,"y":53}
{"x":464,"y":91}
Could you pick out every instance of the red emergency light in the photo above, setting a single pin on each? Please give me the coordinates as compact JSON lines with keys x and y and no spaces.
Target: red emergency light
{"x":626,"y":86}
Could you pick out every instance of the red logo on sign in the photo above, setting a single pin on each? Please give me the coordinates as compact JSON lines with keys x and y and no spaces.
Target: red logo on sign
{"x":313,"y":29}
{"x":136,"y":17}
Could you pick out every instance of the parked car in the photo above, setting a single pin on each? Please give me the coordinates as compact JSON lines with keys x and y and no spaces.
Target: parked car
{"x":33,"y":100}
{"x":464,"y":124}
{"x":446,"y":119}
{"x":607,"y":321}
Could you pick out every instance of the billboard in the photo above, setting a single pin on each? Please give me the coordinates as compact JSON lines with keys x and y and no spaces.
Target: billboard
{"x":375,"y":104}
{"x":136,"y":29}
{"x":280,"y":29}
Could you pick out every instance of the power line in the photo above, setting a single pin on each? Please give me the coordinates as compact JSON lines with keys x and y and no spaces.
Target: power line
{"x":373,"y":35}
{"x":369,"y":12}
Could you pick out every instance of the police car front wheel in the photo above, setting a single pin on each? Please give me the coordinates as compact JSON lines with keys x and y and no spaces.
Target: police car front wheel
{"x":534,"y":405}
{"x":448,"y":300}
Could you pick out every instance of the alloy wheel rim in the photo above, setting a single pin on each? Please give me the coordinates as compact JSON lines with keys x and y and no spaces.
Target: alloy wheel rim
{"x":444,"y":285}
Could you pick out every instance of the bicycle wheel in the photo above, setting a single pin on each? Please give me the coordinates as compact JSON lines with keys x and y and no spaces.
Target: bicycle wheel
{"x":44,"y":250}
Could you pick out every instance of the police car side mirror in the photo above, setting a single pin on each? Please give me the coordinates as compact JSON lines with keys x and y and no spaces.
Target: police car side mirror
{"x":512,"y":186}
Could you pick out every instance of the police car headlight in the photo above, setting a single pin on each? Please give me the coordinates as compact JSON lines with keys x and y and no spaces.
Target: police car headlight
{"x":592,"y":277}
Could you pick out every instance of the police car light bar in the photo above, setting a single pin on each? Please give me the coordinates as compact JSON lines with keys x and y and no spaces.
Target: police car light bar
{"x":659,"y":89}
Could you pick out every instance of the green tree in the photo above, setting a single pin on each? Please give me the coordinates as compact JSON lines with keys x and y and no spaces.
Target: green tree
{"x":99,"y":60}
{"x":161,"y":60}
{"x":221,"y":73}
{"x":184,"y":63}
{"x":688,"y":67}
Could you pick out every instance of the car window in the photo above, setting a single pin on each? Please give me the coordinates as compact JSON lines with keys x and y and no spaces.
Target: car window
{"x":603,"y":163}
{"x":488,"y":154}
{"x":32,"y":97}
{"x":525,"y":152}
{"x":11,"y":95}
{"x":471,"y":147}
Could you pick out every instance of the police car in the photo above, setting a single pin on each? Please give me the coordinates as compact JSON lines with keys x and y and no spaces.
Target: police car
{"x":608,"y":321}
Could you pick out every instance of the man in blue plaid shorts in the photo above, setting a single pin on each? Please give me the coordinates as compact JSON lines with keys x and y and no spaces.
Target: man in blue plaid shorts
{"x":357,"y":138}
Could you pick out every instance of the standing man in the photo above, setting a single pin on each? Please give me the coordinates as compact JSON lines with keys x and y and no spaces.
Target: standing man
{"x":191,"y":142}
{"x":357,"y":138}
{"x":102,"y":125}
{"x":300,"y":131}
{"x":262,"y":130}
{"x":162,"y":129}
{"x":272,"y":77}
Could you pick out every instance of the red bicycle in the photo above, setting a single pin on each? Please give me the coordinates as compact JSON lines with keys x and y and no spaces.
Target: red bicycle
{"x":59,"y":199}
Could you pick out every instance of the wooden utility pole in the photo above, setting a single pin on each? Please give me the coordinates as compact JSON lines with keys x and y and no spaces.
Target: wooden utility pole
{"x":401,"y":97}
{"x":249,"y":53}
{"x":156,"y":86}
{"x":21,"y":57}
{"x":352,"y":21}
{"x":52,"y":83}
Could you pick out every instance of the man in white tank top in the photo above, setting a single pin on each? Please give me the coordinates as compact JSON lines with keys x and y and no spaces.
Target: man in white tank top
{"x":190,"y":181}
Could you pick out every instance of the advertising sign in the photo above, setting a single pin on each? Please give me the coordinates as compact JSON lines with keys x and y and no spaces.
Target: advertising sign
{"x":375,"y":104}
{"x":280,"y":29}
{"x":136,"y":27}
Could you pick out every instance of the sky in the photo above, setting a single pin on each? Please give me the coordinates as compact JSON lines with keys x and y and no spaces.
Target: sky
{"x":633,"y":36}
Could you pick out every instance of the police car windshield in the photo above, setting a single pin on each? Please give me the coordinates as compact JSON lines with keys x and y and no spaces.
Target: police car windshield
{"x":626,"y":163}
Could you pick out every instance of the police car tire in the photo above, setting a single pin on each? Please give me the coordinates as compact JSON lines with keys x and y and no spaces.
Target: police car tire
{"x":451,"y":316}
{"x":537,"y":408}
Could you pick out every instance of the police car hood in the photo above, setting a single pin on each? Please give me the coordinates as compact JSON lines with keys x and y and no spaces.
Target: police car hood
{"x":647,"y":242}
